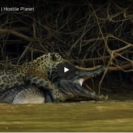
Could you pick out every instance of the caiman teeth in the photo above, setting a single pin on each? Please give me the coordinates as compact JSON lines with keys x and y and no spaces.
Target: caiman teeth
{"x":79,"y":81}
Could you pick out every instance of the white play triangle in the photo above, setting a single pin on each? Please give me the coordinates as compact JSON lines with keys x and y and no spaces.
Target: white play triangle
{"x":66,"y":69}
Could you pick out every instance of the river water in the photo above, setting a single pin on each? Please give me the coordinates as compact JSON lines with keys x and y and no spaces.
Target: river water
{"x":82,"y":116}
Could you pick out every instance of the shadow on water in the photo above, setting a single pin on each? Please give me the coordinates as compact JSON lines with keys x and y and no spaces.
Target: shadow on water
{"x":76,"y":116}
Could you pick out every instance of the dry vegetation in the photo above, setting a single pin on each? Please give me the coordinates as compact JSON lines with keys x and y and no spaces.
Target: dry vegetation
{"x":83,"y":32}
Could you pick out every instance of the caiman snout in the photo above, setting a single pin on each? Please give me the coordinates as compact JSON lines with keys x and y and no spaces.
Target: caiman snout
{"x":82,"y":76}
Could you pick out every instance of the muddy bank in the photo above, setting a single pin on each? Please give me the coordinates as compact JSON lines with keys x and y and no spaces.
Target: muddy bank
{"x":83,"y":116}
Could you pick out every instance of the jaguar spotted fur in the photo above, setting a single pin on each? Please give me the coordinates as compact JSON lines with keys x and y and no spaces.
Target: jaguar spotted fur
{"x":37,"y":72}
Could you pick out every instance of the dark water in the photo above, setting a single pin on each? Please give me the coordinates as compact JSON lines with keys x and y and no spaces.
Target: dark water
{"x":81,"y":116}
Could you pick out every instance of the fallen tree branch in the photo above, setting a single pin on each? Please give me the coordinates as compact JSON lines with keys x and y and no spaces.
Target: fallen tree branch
{"x":118,"y":68}
{"x":6,"y":31}
{"x":87,"y":69}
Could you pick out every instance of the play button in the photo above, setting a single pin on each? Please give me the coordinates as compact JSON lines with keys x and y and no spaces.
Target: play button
{"x":65,"y":70}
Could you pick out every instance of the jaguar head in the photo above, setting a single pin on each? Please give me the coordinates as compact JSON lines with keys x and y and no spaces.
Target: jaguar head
{"x":52,"y":60}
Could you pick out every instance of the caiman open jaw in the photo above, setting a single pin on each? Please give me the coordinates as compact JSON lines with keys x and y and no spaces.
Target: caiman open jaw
{"x":81,"y":76}
{"x":73,"y":85}
{"x":72,"y":90}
